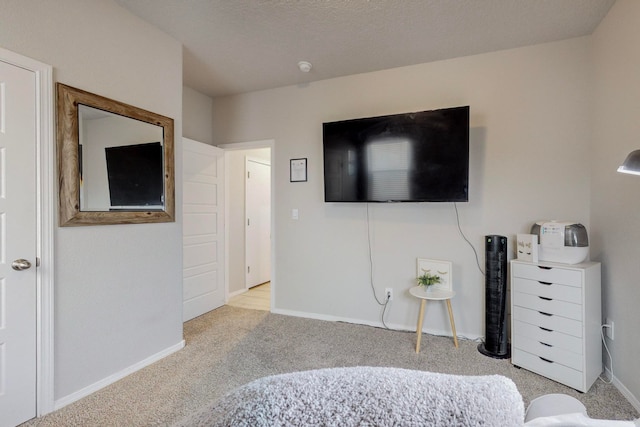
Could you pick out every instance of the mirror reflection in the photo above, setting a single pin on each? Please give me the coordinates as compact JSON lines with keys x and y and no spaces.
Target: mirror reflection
{"x":115,"y":161}
{"x":120,"y":162}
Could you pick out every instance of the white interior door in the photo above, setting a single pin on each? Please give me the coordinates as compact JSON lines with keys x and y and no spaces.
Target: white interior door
{"x":258,"y":222}
{"x":202,"y":228}
{"x":17,"y":245}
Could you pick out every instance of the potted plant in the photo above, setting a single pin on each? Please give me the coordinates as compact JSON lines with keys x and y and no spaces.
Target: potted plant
{"x":427,"y":279}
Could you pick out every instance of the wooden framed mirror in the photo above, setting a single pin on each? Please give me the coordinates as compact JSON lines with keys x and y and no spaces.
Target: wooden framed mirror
{"x":115,"y":161}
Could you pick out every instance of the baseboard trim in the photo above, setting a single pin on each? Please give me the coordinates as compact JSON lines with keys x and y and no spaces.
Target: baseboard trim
{"x":73,"y":397}
{"x":393,"y":326}
{"x":235,"y":293}
{"x":318,"y":316}
{"x":623,"y":390}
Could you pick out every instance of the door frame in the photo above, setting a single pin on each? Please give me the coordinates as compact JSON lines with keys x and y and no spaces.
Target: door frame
{"x":250,"y":145}
{"x":45,"y":214}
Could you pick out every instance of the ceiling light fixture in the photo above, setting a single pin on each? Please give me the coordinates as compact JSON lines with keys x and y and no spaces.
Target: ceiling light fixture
{"x":304,"y":66}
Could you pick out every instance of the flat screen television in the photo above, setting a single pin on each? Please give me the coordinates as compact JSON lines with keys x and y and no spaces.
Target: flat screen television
{"x":412,"y":157}
{"x":135,"y":176}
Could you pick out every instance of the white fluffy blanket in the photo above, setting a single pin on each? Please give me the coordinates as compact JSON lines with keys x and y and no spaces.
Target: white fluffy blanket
{"x":367,"y":396}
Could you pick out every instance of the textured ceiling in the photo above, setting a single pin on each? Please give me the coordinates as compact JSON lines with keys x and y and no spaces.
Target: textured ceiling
{"x":236,"y":46}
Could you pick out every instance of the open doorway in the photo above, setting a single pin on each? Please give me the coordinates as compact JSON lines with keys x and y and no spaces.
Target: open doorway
{"x":249,"y":195}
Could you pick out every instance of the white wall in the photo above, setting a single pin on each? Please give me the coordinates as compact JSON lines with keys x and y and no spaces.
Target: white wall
{"x":615,"y":202}
{"x":118,"y":289}
{"x":196,"y":116}
{"x":529,"y":150}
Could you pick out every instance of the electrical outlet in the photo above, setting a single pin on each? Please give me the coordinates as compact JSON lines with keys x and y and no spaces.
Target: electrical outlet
{"x":609,"y":331}
{"x":388,"y":292}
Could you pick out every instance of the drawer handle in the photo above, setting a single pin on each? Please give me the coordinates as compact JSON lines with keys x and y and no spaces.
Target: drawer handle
{"x":545,"y":298}
{"x":545,"y":344}
{"x":545,"y":283}
{"x":545,"y":314}
{"x":546,"y":360}
{"x":545,"y":329}
{"x":544,"y":268}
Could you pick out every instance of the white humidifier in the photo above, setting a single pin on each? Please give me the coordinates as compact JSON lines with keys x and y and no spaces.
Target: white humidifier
{"x":564,"y":242}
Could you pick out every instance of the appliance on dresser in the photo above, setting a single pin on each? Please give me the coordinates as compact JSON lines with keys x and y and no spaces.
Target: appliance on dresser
{"x":555,"y":321}
{"x":561,"y":241}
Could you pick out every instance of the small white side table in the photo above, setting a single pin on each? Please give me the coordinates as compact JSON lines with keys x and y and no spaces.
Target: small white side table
{"x":433,"y":295}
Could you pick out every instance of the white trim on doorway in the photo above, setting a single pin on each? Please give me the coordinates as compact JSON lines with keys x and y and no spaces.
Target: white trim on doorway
{"x":45,"y":143}
{"x":250,"y":145}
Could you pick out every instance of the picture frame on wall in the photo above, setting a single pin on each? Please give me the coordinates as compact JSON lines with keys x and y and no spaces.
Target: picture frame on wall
{"x":298,"y":170}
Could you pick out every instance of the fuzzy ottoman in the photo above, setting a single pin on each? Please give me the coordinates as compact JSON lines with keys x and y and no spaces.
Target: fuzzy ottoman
{"x":366,"y":396}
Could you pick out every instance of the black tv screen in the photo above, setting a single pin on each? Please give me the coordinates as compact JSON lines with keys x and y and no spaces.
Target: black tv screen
{"x":412,"y":157}
{"x":135,"y":175}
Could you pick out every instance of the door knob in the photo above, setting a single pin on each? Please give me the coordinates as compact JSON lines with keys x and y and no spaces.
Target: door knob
{"x":20,"y":264}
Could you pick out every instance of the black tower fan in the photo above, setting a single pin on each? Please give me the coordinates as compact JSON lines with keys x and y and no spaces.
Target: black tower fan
{"x":495,"y":344}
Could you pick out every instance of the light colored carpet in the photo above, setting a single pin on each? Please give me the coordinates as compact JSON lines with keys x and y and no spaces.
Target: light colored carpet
{"x":229,"y":347}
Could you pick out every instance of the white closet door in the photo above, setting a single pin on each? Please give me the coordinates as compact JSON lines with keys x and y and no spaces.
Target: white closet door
{"x":18,"y":284}
{"x":202,"y":228}
{"x":258,"y":222}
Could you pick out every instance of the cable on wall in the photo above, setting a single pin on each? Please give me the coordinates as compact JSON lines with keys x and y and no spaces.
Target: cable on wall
{"x":610,"y":358}
{"x":384,"y":304}
{"x":465,"y":238}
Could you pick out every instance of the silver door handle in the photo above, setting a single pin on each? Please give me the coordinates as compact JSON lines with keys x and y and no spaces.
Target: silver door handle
{"x":20,"y":264}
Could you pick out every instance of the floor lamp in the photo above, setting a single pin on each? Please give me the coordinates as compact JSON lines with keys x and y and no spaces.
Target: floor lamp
{"x":631,"y":164}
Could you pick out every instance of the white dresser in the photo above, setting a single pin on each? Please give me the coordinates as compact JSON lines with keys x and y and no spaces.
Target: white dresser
{"x":555,"y":321}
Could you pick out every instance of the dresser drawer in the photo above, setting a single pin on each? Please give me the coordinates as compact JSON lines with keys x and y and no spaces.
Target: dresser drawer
{"x":551,"y":321}
{"x":555,"y":320}
{"x":548,"y":336}
{"x":548,"y":290}
{"x":548,"y":306}
{"x":555,"y":371}
{"x":547,"y":274}
{"x":550,"y":352}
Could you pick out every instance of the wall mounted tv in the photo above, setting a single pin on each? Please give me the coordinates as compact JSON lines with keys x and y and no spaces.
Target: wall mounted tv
{"x":135,"y":176}
{"x":412,"y":157}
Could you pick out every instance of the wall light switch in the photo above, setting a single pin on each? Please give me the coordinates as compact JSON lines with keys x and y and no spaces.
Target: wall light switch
{"x":294,"y":213}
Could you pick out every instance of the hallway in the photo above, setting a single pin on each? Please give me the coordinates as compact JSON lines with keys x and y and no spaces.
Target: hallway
{"x":256,"y":298}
